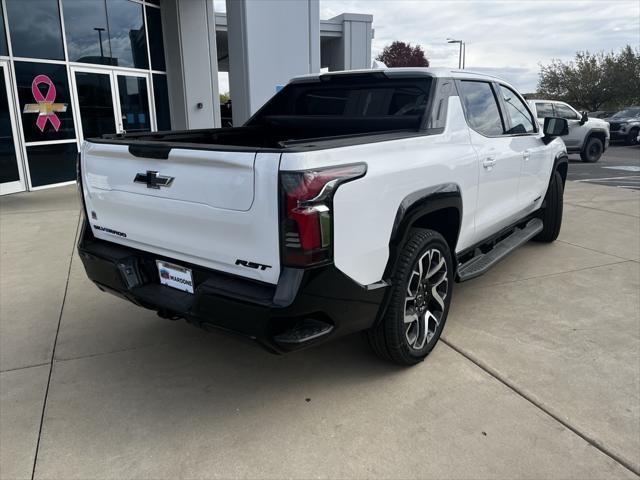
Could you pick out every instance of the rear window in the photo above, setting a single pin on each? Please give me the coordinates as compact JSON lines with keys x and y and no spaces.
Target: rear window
{"x":356,"y":104}
{"x":362,"y":102}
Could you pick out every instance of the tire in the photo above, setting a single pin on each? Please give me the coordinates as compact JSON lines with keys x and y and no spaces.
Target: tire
{"x":592,"y":150}
{"x":632,"y":137}
{"x":551,"y":213}
{"x":425,"y":295}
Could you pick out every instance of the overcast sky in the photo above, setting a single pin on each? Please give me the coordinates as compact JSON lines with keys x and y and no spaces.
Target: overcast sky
{"x":508,"y":38}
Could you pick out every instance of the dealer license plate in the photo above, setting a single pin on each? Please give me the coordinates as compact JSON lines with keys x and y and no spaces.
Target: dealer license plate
{"x":175,"y":276}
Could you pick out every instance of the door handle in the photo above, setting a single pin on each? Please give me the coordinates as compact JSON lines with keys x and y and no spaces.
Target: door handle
{"x":489,"y":162}
{"x":526,"y":155}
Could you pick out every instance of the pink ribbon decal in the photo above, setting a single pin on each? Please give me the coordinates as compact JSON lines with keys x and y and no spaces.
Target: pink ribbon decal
{"x":45,"y":108}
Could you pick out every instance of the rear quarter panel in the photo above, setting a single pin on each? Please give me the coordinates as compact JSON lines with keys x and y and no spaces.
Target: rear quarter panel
{"x":365,"y":209}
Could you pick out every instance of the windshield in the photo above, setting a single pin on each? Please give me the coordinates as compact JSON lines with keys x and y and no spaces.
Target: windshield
{"x":627,"y":112}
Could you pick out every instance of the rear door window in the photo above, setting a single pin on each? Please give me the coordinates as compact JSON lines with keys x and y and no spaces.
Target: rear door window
{"x":481,"y":107}
{"x":544,"y":110}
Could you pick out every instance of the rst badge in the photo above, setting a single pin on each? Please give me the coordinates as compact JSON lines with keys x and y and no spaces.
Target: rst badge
{"x":153,"y":180}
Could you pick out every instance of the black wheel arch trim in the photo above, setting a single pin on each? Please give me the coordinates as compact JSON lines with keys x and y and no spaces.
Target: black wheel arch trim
{"x":419,"y":204}
{"x":561,"y":164}
{"x":590,"y":133}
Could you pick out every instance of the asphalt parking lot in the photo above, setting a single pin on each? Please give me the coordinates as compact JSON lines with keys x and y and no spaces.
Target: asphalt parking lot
{"x":618,"y":167}
{"x":537,"y":376}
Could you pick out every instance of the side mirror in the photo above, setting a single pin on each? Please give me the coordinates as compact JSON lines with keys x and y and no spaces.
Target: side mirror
{"x":584,"y":118}
{"x":554,"y":127}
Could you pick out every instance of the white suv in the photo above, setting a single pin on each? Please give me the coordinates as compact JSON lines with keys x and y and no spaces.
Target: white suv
{"x":352,"y":201}
{"x":587,"y":136}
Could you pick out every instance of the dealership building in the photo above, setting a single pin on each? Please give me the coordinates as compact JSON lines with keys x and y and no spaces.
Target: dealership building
{"x":76,"y":69}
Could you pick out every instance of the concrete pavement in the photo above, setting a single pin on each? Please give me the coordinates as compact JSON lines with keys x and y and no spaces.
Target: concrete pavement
{"x":538,"y":374}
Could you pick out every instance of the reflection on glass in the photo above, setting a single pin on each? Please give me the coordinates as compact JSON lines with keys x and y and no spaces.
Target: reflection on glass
{"x":127,"y":34}
{"x":96,"y":104}
{"x":34,"y":26}
{"x":8,"y":159}
{"x":161,"y":94}
{"x":134,"y":103}
{"x":85,"y":24}
{"x":156,"y":45}
{"x":50,"y":164}
{"x":54,"y":88}
{"x":3,"y":37}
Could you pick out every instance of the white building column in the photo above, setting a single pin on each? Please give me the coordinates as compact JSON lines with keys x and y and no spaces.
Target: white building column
{"x":192,"y":64}
{"x":352,"y":50}
{"x":270,"y":41}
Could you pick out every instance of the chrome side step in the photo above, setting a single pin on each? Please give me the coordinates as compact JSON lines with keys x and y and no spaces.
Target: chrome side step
{"x":484,"y":261}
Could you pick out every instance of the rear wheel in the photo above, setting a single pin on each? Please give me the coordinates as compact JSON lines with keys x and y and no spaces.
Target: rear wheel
{"x":551,"y":214}
{"x":418,"y":302}
{"x":592,"y":150}
{"x":632,"y":137}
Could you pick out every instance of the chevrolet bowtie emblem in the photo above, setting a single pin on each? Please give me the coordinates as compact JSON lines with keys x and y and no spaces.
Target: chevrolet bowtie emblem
{"x":46,"y":107}
{"x":153,"y":180}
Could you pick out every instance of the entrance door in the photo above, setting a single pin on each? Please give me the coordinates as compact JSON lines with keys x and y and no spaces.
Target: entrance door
{"x":112,"y":102}
{"x":11,"y":176}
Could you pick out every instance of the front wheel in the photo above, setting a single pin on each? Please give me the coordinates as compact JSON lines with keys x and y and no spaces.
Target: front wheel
{"x":551,"y":214}
{"x":632,"y":137}
{"x":592,"y":151}
{"x":418,"y":303}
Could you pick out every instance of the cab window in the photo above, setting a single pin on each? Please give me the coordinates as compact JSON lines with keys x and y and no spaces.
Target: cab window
{"x":481,"y":107}
{"x":521,"y":119}
{"x":563,"y":111}
{"x":544,"y":110}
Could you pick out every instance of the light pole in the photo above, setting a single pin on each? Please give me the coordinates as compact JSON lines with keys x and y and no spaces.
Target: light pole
{"x":100,"y":30}
{"x":460,"y":54}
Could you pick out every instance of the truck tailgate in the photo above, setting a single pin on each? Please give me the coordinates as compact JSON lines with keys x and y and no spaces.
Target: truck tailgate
{"x":217,"y":209}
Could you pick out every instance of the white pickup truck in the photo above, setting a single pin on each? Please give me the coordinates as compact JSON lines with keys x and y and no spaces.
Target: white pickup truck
{"x":352,"y":201}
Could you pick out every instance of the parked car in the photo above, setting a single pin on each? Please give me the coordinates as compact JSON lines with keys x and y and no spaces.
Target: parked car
{"x":352,"y":201}
{"x":625,"y":125}
{"x":601,"y":114}
{"x":587,"y":136}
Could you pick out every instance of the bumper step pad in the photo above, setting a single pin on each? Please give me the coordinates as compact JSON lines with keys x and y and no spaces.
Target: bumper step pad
{"x":304,"y":331}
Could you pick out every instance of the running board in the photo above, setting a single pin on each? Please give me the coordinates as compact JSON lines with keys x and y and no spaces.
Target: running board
{"x":484,"y":261}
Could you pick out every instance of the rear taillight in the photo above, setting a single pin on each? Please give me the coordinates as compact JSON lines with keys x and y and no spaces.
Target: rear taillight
{"x":307,"y":212}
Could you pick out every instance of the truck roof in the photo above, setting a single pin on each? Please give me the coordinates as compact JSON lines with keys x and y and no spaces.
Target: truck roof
{"x":399,"y":72}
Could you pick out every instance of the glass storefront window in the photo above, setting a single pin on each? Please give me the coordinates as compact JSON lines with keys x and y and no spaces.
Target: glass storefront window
{"x":127,"y":34}
{"x":35,"y":30}
{"x":45,"y":104}
{"x":156,"y":45}
{"x":50,"y":164}
{"x":8,"y":158}
{"x":4,"y":50}
{"x":85,"y":25}
{"x":134,"y":103}
{"x":95,"y":100}
{"x":161,"y":94}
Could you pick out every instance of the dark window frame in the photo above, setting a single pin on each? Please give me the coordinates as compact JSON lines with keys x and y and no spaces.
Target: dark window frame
{"x":506,"y":115}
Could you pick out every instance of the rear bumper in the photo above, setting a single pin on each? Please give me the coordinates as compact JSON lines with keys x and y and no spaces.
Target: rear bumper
{"x":220,"y":301}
